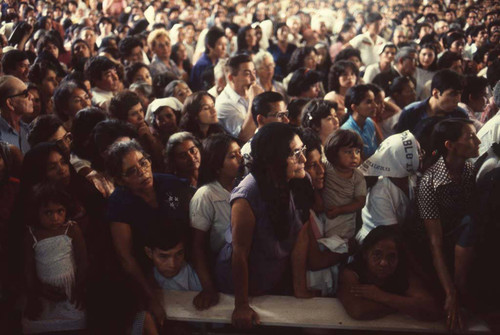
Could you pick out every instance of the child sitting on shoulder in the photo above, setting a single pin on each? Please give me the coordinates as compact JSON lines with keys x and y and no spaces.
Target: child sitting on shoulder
{"x":165,"y":246}
{"x":55,"y":264}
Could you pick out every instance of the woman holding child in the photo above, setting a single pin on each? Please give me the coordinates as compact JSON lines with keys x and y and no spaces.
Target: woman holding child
{"x":264,"y":224}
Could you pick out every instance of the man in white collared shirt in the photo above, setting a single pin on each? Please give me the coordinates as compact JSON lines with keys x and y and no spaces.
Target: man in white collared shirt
{"x":367,"y":43}
{"x":233,"y":103}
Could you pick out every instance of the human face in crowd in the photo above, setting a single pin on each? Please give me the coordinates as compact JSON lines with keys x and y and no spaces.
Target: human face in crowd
{"x":379,"y":101}
{"x":78,"y":101}
{"x":442,"y":27}
{"x":57,"y":168}
{"x":220,"y":48}
{"x":135,"y":56}
{"x":277,"y":113}
{"x":426,"y":57}
{"x":135,"y":115}
{"x":181,"y":53}
{"x":182,"y":91}
{"x":162,"y":47}
{"x":407,"y":95}
{"x":477,"y":103}
{"x":329,"y":124}
{"x":266,"y":70}
{"x":21,"y":104}
{"x":22,"y":70}
{"x":349,"y":35}
{"x":166,"y":121}
{"x":356,"y":61}
{"x":467,"y":146}
{"x":296,"y":160}
{"x":347,"y":79}
{"x":167,"y":262}
{"x":311,"y":61}
{"x":408,"y":66}
{"x":282,"y":34}
{"x":49,"y":83}
{"x":495,"y":34}
{"x":388,"y":55}
{"x":81,"y":50}
{"x":367,"y":107}
{"x":232,"y":162}
{"x":52,"y":216}
{"x":382,"y":259}
{"x":88,"y":35}
{"x":424,"y":30}
{"x":250,"y":38}
{"x":109,"y":81}
{"x":207,"y":114}
{"x":374,"y":27}
{"x":348,"y":159}
{"x":63,"y":139}
{"x":312,"y":92}
{"x":136,"y":172}
{"x":450,"y":17}
{"x":399,"y":37}
{"x":187,"y":157}
{"x":52,"y":49}
{"x":458,"y":46}
{"x":472,"y":19}
{"x":457,"y":66}
{"x":37,"y":103}
{"x":143,"y":75}
{"x":481,"y":38}
{"x":316,"y":169}
{"x":448,"y":100}
{"x":245,"y":77}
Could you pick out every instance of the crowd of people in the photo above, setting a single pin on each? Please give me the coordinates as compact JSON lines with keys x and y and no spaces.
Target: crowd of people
{"x":345,"y":149}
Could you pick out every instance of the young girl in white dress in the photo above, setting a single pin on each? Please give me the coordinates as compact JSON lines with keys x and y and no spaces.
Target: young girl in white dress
{"x":55,"y":263}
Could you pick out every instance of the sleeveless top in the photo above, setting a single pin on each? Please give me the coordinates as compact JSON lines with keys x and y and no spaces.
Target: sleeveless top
{"x":54,"y":259}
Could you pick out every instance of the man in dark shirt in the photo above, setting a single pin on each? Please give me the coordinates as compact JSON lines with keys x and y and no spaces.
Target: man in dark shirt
{"x":446,"y":90}
{"x":405,"y":65}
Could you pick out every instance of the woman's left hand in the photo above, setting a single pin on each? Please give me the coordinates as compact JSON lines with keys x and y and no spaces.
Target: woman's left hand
{"x":370,"y":292}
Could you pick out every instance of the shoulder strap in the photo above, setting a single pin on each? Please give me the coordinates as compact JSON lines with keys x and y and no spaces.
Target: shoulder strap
{"x":68,"y":225}
{"x":32,"y":235}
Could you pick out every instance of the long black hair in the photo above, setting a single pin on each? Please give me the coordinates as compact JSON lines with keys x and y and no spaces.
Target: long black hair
{"x":270,"y":151}
{"x":213,"y":154}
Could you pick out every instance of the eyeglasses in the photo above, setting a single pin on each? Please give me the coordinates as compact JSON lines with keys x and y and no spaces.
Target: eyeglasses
{"x":136,"y":171}
{"x":66,"y":139}
{"x":295,"y":154}
{"x":24,"y":94}
{"x":279,"y":115}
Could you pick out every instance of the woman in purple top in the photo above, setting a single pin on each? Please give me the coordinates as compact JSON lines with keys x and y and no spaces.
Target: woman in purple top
{"x":264,"y":223}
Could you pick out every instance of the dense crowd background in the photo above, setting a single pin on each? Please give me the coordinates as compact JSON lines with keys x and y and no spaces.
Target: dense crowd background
{"x":307,"y":148}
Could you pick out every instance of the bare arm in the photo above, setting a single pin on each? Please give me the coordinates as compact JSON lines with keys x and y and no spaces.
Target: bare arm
{"x":416,"y":302}
{"x":248,"y":128}
{"x":121,"y":234}
{"x":452,"y":307}
{"x":357,"y":204}
{"x":243,"y":224}
{"x":357,"y":307}
{"x":209,"y":296}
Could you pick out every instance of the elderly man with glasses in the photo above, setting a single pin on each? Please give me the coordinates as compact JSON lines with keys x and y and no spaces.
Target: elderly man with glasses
{"x":15,"y":101}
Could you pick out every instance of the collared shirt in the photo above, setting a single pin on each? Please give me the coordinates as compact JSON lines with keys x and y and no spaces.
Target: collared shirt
{"x":367,"y":48}
{"x":367,"y":134}
{"x":101,"y":98}
{"x":232,"y":109}
{"x":210,"y":212}
{"x":10,"y":135}
{"x":158,"y":66}
{"x":440,"y":197}
{"x":417,"y":111}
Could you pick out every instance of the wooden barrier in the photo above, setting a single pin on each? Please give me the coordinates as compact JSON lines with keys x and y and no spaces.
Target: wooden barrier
{"x":325,"y":313}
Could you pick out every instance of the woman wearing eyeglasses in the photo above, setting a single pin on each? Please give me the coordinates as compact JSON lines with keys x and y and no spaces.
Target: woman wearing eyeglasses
{"x":141,"y":199}
{"x":199,"y":116}
{"x":264,"y":223}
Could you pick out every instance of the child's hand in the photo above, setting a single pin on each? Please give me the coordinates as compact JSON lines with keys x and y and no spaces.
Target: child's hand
{"x":53,"y":293}
{"x":33,"y":308}
{"x":332,"y":212}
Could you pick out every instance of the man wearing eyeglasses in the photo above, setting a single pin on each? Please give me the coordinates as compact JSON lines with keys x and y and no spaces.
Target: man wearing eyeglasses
{"x":266,"y":108}
{"x":15,"y":101}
